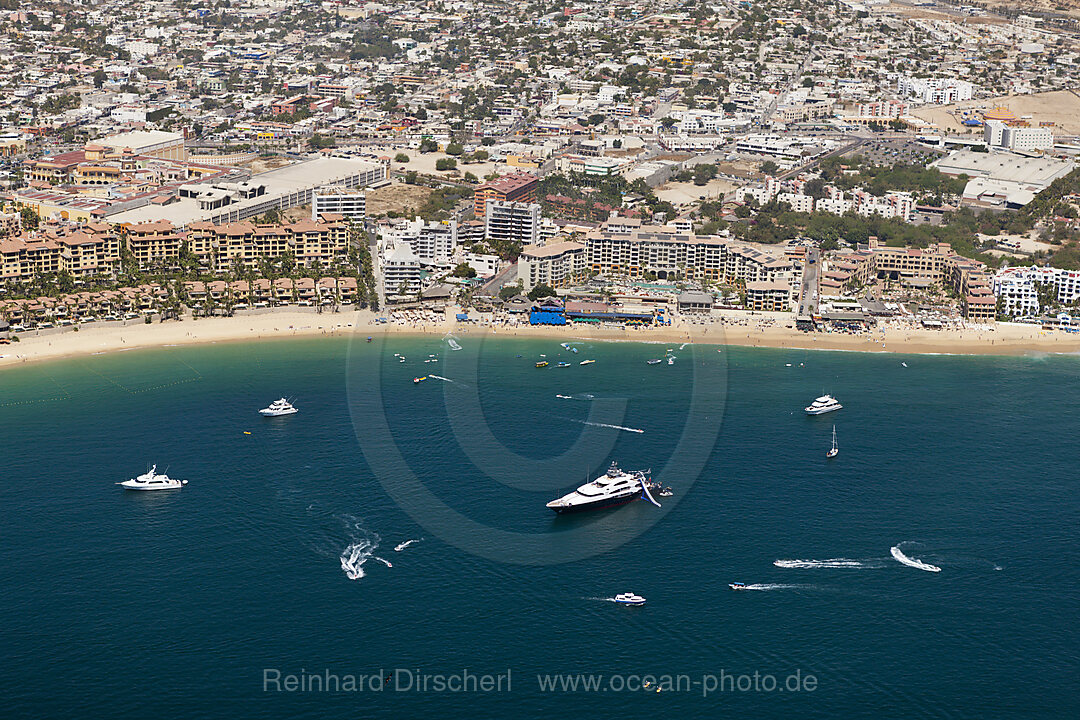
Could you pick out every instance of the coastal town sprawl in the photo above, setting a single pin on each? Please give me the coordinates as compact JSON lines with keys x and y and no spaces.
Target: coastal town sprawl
{"x":606,"y":162}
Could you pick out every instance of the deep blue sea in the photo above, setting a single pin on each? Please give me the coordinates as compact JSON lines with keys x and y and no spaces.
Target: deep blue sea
{"x":201,"y":603}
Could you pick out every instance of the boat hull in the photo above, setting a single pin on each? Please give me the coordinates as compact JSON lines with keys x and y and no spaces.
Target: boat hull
{"x":277,"y":413}
{"x":144,"y":488}
{"x":597,"y":505}
{"x":822,"y":411}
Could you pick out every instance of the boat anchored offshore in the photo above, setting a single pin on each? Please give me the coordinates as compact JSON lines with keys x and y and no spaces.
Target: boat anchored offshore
{"x":418,"y":380}
{"x":542,"y":363}
{"x":562,"y":364}
{"x":655,"y":361}
{"x":629,"y":599}
{"x":586,"y":362}
{"x":834,"y":450}
{"x":822,"y":405}
{"x":278,"y":408}
{"x":152,"y":481}
{"x":613,"y":488}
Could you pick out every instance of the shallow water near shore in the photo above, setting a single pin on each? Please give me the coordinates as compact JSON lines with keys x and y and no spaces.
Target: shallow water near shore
{"x":177,"y":604}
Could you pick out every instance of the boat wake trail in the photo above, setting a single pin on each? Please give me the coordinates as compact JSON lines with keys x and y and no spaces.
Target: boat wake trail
{"x":440,"y":377}
{"x":600,"y":599}
{"x":361,"y":546}
{"x":830,"y":563}
{"x":775,"y":586}
{"x":900,"y":557}
{"x":614,"y":427}
{"x":453,"y":343}
{"x":384,"y":561}
{"x":354,"y":556}
{"x":407,"y":543}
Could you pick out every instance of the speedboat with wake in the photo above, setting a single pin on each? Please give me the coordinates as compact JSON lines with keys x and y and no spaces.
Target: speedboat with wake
{"x":629,"y":599}
{"x":822,"y":405}
{"x":278,"y":408}
{"x":737,"y":586}
{"x":613,"y":488}
{"x":152,"y":481}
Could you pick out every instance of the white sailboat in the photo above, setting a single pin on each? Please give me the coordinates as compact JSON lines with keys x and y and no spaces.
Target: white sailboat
{"x":834,"y":450}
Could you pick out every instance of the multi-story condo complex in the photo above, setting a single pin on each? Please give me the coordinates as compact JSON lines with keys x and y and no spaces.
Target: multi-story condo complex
{"x":622,"y":246}
{"x":512,"y":222}
{"x":518,"y":187}
{"x":340,"y":201}
{"x":556,"y":264}
{"x":937,"y":91}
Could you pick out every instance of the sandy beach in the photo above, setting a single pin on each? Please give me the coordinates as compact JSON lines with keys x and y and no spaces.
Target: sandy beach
{"x":759,"y":330}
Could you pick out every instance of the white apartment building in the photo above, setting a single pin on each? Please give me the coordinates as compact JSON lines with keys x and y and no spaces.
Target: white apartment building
{"x":402,"y":273}
{"x":798,"y":202}
{"x":433,"y":243}
{"x":999,"y":135}
{"x":555,"y":264}
{"x":340,"y":200}
{"x":936,"y":91}
{"x":512,"y":222}
{"x":1018,"y":287}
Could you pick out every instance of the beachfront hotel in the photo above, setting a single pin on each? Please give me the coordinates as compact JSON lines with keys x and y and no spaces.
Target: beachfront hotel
{"x":625,"y":247}
{"x":96,"y":248}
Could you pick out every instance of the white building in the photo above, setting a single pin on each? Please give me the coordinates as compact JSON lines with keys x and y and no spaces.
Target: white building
{"x":401,"y":272}
{"x":433,"y":243}
{"x":999,"y":135}
{"x":937,"y":91}
{"x":339,"y":200}
{"x":555,"y":264}
{"x":512,"y":222}
{"x":798,"y":202}
{"x":1018,"y":287}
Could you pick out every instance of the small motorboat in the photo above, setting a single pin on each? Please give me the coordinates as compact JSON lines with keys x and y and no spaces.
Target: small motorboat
{"x":562,"y":364}
{"x":665,"y":492}
{"x":278,"y":408}
{"x":573,"y":349}
{"x":152,"y":481}
{"x":737,"y":586}
{"x":834,"y":449}
{"x":369,"y":338}
{"x":655,"y":361}
{"x":565,"y":397}
{"x":586,"y":362}
{"x":418,"y":380}
{"x":401,"y":358}
{"x":671,"y":360}
{"x":542,"y":363}
{"x":629,"y":599}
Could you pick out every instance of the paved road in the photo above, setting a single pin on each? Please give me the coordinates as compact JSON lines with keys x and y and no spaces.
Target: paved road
{"x":808,"y":303}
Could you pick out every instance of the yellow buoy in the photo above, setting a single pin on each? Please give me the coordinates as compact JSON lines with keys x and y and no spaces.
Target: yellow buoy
{"x":246,"y":432}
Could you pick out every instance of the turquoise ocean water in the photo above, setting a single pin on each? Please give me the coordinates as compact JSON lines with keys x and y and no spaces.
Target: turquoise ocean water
{"x":181,"y":604}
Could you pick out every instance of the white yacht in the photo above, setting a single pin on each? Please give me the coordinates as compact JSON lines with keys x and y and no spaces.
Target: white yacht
{"x":278,"y":408}
{"x":152,"y":481}
{"x":822,"y":405}
{"x":629,"y":599}
{"x":615,"y":487}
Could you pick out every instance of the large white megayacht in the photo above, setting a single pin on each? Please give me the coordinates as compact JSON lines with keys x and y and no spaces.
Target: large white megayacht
{"x":150,"y":480}
{"x":613,"y":488}
{"x":822,"y":405}
{"x":278,"y":408}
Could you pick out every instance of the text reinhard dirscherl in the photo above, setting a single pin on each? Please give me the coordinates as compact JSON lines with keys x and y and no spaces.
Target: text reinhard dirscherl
{"x":467,"y":681}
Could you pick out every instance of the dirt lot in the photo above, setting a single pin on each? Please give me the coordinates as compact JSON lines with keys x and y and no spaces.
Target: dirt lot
{"x":397,"y":197}
{"x":1060,"y":107}
{"x":263,"y":164}
{"x":682,"y":193}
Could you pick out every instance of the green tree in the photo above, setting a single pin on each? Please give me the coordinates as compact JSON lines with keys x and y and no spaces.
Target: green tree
{"x":464,"y":270}
{"x":454,"y":149}
{"x":401,"y":158}
{"x":541,"y":290}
